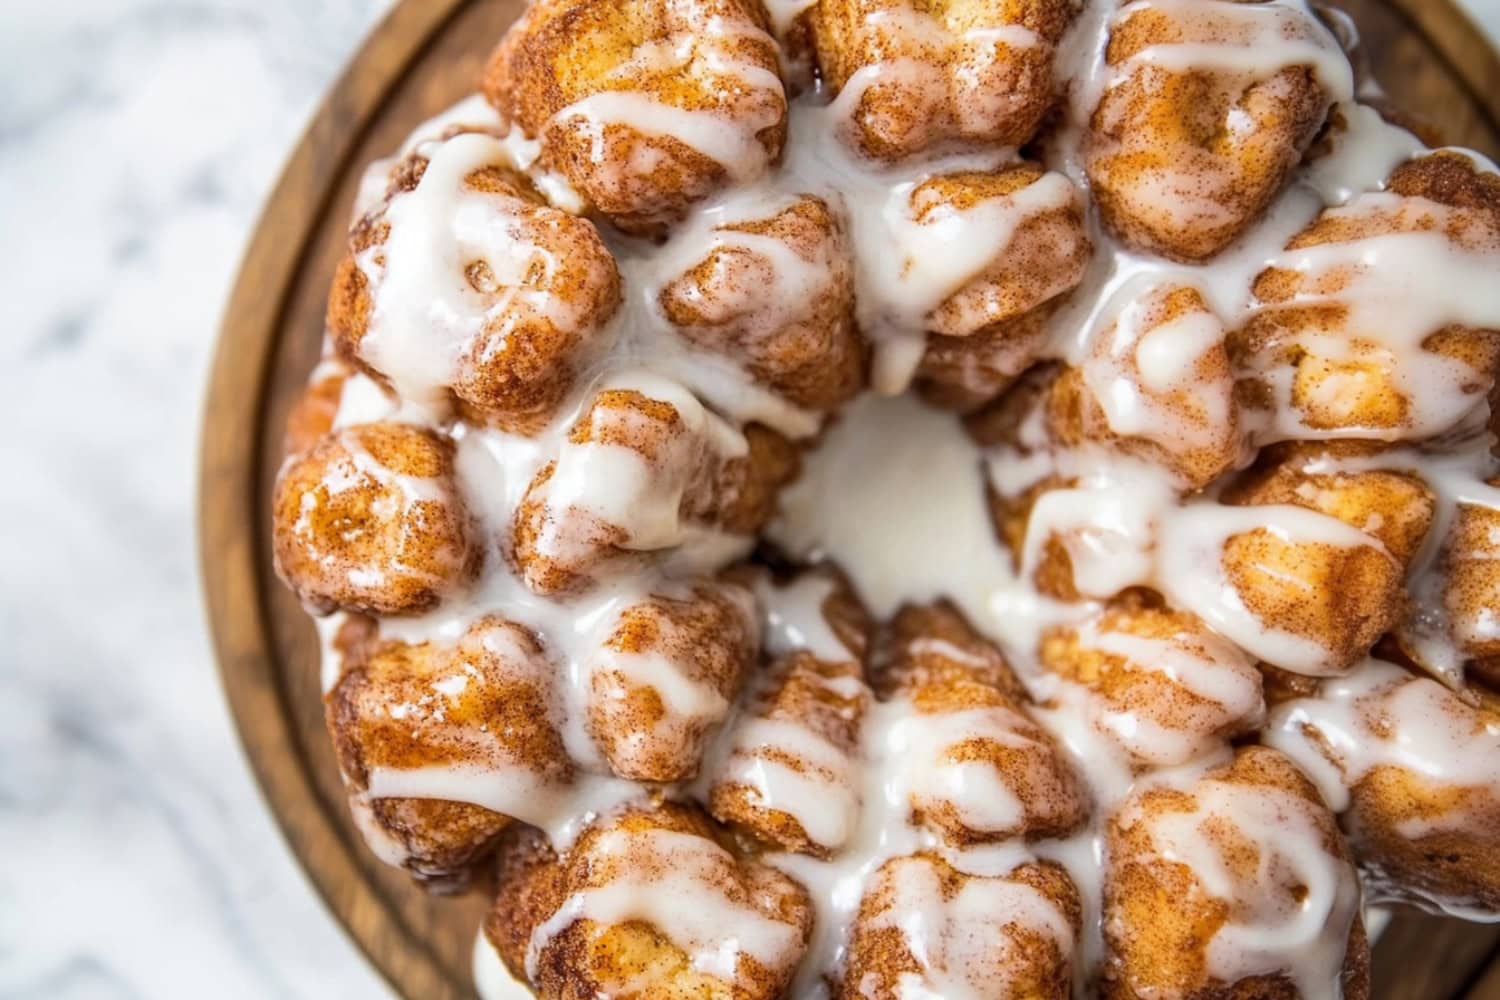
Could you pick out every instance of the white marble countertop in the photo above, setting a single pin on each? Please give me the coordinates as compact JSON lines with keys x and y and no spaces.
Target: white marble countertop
{"x":137,"y":140}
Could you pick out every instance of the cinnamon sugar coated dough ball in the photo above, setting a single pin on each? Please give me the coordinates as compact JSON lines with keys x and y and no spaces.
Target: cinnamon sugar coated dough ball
{"x":526,"y":290}
{"x":370,"y":519}
{"x":638,"y":471}
{"x":1162,"y":685}
{"x":1185,"y":153}
{"x":813,"y":707}
{"x":1044,"y":256}
{"x":968,"y":715}
{"x":648,"y":904}
{"x":975,"y":72}
{"x":1471,"y":596}
{"x":667,"y":675}
{"x":645,"y":106}
{"x":1335,"y":355}
{"x":1341,"y":590}
{"x":990,"y":936}
{"x":1415,"y":773}
{"x":790,"y":772}
{"x":1213,"y":887}
{"x":482,"y":704}
{"x":995,"y":324}
{"x":778,"y":293}
{"x":1158,"y":385}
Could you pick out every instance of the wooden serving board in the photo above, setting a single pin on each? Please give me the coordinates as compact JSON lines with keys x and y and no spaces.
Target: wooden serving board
{"x":425,"y":56}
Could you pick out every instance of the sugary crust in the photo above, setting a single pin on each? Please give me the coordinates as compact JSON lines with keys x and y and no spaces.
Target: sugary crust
{"x":651,"y":719}
{"x":542,"y":317}
{"x":826,"y":698}
{"x":1163,"y":685}
{"x":1344,"y":479}
{"x":1164,"y":140}
{"x":972,"y":71}
{"x":1471,"y":593}
{"x":1011,"y":950}
{"x":802,"y":719}
{"x":1420,"y":817}
{"x":777,"y":295}
{"x":964,"y":374}
{"x":995,"y":325}
{"x":1355,"y":386}
{"x":1161,"y":917}
{"x":1044,"y":258}
{"x":976,"y":708}
{"x":564,"y":539}
{"x":667,"y":63}
{"x":1343,"y":598}
{"x":369,"y":519}
{"x":1186,"y":418}
{"x":635,"y":959}
{"x":398,"y":709}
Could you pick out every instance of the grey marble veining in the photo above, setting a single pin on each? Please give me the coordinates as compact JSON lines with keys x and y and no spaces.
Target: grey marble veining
{"x":137,"y":140}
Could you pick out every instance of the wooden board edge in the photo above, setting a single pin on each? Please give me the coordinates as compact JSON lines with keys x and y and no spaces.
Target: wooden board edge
{"x":1472,"y":55}
{"x":228,"y":533}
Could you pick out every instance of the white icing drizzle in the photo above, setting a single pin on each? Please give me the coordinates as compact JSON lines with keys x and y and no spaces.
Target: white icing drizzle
{"x":705,"y":48}
{"x":1293,"y":914}
{"x":425,"y":312}
{"x":1255,"y":40}
{"x":959,"y":941}
{"x":678,"y":890}
{"x":1382,"y":717}
{"x":916,"y":528}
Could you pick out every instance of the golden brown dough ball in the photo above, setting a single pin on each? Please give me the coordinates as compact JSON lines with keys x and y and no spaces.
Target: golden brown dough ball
{"x":465,"y":285}
{"x":789,"y":773}
{"x":1356,"y":482}
{"x":974,"y":766}
{"x":1162,"y":685}
{"x":1339,"y":597}
{"x":1213,"y":885}
{"x":920,"y":74}
{"x":1015,"y":246}
{"x":1471,"y":592}
{"x":1415,"y":772}
{"x":370,"y":519}
{"x":666,"y":676}
{"x":1181,"y":160}
{"x":645,"y":106}
{"x":1044,"y":257}
{"x":1331,"y":357}
{"x":643,"y":467}
{"x":647,"y":905}
{"x":963,"y":374}
{"x":994,"y":937}
{"x":742,"y":496}
{"x":481,"y":707}
{"x":1157,"y":385}
{"x":1341,"y":593}
{"x":312,"y":415}
{"x":790,"y":776}
{"x":775,"y":292}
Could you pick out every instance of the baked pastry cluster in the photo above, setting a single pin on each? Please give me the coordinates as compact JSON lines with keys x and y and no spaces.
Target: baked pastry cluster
{"x":1224,"y":342}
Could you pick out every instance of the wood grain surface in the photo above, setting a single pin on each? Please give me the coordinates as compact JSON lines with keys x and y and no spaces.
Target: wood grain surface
{"x":423,"y":57}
